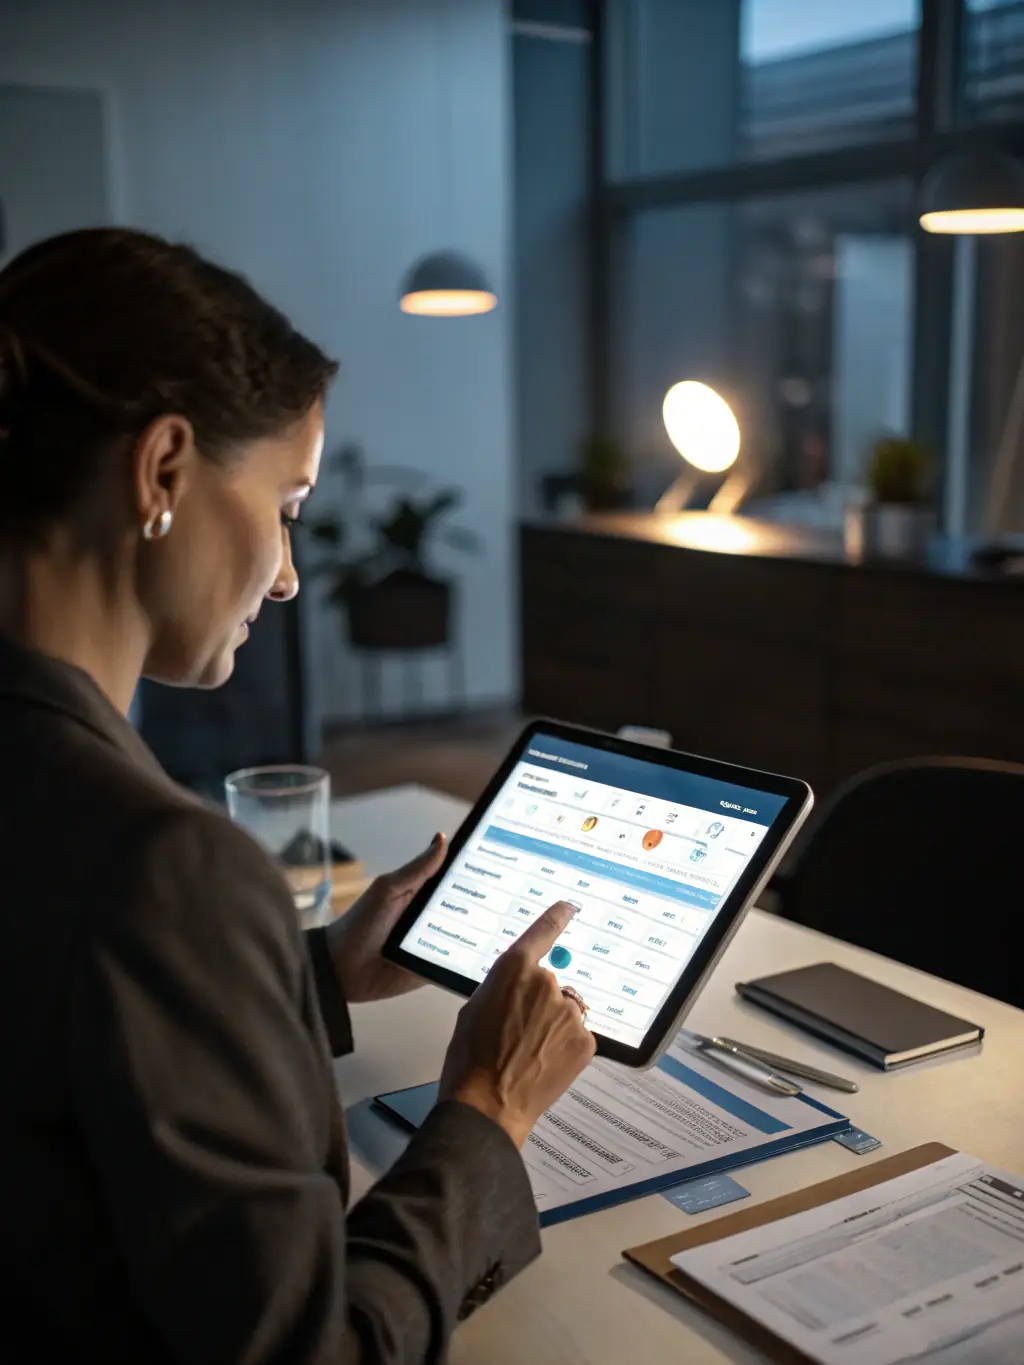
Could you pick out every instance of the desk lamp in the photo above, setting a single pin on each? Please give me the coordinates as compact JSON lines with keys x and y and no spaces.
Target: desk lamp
{"x":979,"y":191}
{"x":702,"y":427}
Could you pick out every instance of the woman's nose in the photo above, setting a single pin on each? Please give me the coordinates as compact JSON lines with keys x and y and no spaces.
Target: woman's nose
{"x":286,"y":584}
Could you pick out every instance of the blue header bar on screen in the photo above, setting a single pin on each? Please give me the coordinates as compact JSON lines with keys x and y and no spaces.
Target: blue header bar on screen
{"x":633,"y":877}
{"x":652,"y":779}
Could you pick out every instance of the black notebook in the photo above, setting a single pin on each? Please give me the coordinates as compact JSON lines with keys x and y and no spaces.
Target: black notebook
{"x":884,"y":1026}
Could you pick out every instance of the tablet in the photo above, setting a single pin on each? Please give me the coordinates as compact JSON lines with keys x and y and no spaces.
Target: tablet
{"x":662,"y":852}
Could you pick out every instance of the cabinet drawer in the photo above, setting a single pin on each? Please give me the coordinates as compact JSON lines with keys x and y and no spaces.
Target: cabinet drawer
{"x":960,"y":631}
{"x":754,"y":596}
{"x":912,"y":700}
{"x":740,"y":673}
{"x":765,"y":708}
{"x":977,"y":716}
{"x":589,"y":667}
{"x":584,"y":696}
{"x":620,"y":574}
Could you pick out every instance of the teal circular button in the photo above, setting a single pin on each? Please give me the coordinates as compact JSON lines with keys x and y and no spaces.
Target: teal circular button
{"x":559,"y":957}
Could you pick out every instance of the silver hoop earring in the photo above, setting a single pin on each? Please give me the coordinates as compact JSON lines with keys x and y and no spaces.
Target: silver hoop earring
{"x":157,"y":526}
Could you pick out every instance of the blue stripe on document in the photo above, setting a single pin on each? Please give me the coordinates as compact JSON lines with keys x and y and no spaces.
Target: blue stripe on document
{"x":725,"y":1099}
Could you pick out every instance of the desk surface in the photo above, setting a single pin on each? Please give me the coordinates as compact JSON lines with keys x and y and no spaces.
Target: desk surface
{"x":580,"y":1303}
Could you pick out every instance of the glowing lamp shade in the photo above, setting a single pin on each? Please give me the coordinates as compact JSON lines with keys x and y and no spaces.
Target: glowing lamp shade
{"x":978,"y":191}
{"x":701,"y":426}
{"x":446,"y":285}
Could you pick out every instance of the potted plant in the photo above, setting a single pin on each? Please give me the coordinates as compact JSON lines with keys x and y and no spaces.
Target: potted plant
{"x":378,"y":569}
{"x":898,"y":518}
{"x":604,"y":474}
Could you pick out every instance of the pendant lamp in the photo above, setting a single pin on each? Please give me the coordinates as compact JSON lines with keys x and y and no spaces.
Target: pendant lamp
{"x":976,"y":191}
{"x":446,"y":283}
{"x":979,"y":191}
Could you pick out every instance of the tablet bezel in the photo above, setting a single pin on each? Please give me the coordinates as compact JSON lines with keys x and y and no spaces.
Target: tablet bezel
{"x":798,"y":801}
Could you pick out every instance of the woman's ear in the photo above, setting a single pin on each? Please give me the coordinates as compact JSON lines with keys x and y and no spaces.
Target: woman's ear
{"x":163,"y":463}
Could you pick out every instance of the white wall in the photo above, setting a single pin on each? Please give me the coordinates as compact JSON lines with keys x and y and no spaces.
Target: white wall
{"x":305,"y":143}
{"x":63,"y":131}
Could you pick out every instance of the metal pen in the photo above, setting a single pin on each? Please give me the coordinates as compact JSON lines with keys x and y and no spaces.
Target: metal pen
{"x":801,"y":1069}
{"x":732,"y":1059}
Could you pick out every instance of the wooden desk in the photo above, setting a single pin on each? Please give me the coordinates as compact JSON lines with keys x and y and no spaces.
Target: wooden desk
{"x":580,"y":1304}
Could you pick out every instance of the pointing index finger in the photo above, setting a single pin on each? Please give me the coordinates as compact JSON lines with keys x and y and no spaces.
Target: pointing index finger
{"x":545,"y":929}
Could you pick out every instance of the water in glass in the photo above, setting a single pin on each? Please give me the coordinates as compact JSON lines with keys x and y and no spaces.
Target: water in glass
{"x":287,"y":809}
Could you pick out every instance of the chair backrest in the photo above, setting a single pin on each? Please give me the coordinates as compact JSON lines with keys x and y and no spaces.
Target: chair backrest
{"x":923,"y":862}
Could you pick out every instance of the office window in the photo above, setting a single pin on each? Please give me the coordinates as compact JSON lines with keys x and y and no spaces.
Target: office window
{"x":697,"y":85}
{"x":994,"y":60}
{"x":798,"y":309}
{"x":761,"y":158}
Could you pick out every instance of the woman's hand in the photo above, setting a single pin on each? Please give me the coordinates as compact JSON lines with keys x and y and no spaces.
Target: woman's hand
{"x":519,"y":1042}
{"x":356,"y":939}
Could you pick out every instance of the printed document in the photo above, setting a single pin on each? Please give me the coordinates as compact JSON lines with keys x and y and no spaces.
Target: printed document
{"x":617,"y":1128}
{"x":927,"y":1268}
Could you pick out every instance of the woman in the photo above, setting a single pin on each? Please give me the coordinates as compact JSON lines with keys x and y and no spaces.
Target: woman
{"x":173,"y":1176}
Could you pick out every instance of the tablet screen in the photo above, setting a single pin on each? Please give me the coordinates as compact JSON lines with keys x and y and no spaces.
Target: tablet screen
{"x":647,"y":852}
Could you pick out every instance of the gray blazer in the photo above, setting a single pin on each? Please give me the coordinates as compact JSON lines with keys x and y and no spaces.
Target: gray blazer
{"x":173,"y":1170}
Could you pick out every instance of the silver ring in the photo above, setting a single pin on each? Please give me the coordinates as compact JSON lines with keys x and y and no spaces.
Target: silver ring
{"x":572,"y":994}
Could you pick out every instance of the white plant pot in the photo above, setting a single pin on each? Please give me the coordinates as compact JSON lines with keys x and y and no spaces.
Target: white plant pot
{"x":888,"y":531}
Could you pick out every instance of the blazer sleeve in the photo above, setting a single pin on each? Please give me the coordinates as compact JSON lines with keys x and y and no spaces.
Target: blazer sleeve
{"x":333,"y":1005}
{"x":204,"y":1095}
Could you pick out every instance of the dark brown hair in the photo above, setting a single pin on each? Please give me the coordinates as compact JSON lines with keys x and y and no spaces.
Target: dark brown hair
{"x":103,"y":330}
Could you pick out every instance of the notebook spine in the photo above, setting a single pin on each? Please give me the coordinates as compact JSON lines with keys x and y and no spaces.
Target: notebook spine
{"x":813,"y":1023}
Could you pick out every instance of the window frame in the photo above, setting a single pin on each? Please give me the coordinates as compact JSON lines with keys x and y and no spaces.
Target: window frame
{"x":940,"y":126}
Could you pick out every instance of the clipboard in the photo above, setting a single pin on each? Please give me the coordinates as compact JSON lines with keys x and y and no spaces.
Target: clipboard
{"x":656,"y":1257}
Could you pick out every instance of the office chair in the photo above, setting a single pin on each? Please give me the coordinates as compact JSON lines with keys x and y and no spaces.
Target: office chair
{"x":922,"y":862}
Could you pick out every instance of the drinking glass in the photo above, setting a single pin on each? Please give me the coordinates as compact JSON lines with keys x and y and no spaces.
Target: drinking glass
{"x":287,"y":809}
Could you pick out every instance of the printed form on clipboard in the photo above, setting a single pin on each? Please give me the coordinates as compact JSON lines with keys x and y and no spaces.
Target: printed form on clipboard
{"x":619,"y":1134}
{"x":927,"y":1268}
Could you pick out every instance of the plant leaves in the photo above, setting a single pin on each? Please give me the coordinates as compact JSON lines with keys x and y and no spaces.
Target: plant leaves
{"x":325,"y":569}
{"x":443,"y":502}
{"x":400,"y":532}
{"x":396,"y":473}
{"x":328,"y":532}
{"x":405,"y":529}
{"x":348,"y":460}
{"x":461,"y":539}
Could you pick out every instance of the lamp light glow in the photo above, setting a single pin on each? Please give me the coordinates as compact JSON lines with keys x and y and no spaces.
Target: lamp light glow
{"x":978,"y":191}
{"x":447,"y":303}
{"x":701,"y":426}
{"x":713,"y":531}
{"x":974,"y":222}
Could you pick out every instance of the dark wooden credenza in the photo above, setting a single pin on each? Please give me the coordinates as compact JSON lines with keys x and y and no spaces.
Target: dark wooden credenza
{"x":762,"y":645}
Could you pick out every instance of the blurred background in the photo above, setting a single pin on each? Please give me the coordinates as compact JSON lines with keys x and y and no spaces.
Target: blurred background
{"x":654,"y":190}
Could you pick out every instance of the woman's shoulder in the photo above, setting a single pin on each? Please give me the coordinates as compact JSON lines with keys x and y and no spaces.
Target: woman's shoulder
{"x":181,"y":880}
{"x":91,"y":789}
{"x":111,"y":826}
